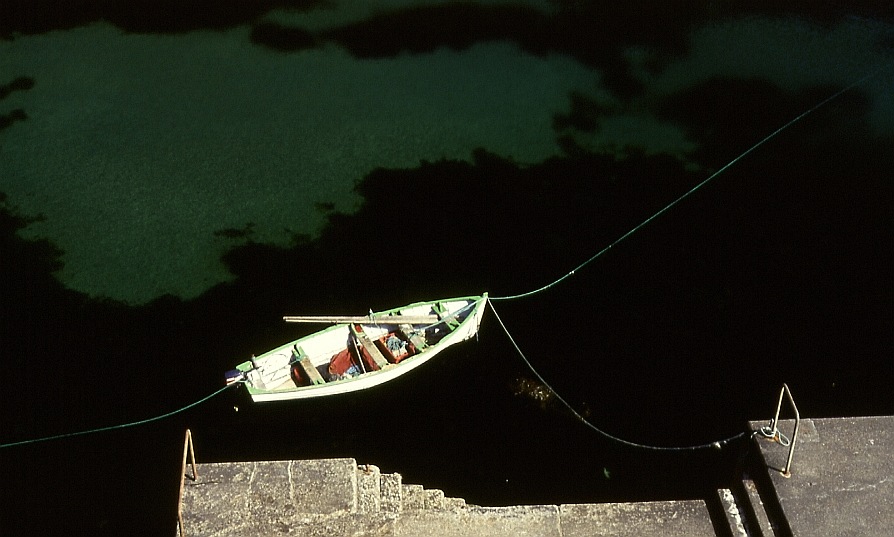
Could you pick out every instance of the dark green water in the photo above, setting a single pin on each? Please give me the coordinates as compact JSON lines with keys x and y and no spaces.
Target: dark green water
{"x":777,"y":271}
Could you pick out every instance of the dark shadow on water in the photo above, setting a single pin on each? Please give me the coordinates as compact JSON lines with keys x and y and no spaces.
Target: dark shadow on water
{"x":640,"y":21}
{"x":22,"y":83}
{"x":141,"y":16}
{"x":283,"y":38}
{"x":779,"y":271}
{"x":596,"y":33}
{"x":704,"y":110}
{"x":6,"y":120}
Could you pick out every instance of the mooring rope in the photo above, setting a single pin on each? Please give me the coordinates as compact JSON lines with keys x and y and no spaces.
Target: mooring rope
{"x":122,"y":425}
{"x":714,"y":445}
{"x":693,"y":189}
{"x":719,"y":444}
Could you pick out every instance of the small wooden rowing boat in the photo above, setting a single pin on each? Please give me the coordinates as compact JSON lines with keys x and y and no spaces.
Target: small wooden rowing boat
{"x":359,"y":352}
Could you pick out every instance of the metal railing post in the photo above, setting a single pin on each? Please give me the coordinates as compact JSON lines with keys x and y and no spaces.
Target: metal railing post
{"x":187,"y":450}
{"x":772,"y":430}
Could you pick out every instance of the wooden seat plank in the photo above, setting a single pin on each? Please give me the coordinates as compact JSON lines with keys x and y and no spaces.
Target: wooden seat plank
{"x":307,"y":367}
{"x":370,"y":347}
{"x":410,"y":335}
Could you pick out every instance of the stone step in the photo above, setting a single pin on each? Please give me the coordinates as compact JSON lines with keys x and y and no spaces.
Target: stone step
{"x":757,"y":511}
{"x":336,"y":497}
{"x":378,"y":492}
{"x":454,"y":504}
{"x":746,"y":512}
{"x":735,"y":516}
{"x":413,"y":497}
{"x":282,"y":489}
{"x":392,"y":493}
{"x":433,"y":499}
{"x":416,"y":497}
{"x":369,"y":489}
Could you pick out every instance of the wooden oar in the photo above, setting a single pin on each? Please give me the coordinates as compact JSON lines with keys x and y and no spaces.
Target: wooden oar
{"x":364,"y":319}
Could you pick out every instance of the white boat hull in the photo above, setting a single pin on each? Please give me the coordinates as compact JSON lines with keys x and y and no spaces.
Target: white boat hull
{"x":268,"y":377}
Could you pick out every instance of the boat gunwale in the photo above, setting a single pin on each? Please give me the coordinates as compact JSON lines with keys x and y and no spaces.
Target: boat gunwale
{"x":339,"y":386}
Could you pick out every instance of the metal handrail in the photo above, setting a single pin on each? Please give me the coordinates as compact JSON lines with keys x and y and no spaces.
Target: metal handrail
{"x":772,"y":430}
{"x":187,"y":448}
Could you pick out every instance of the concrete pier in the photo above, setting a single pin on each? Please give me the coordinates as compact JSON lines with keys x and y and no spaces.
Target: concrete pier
{"x":841,"y":483}
{"x":841,"y":480}
{"x":338,"y":497}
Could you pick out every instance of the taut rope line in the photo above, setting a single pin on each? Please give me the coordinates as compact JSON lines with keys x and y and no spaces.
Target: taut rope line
{"x":120,"y":426}
{"x":693,"y":189}
{"x":713,"y":445}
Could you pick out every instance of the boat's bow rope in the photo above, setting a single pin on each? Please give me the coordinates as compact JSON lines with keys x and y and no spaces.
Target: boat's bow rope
{"x":695,"y":188}
{"x":712,"y":445}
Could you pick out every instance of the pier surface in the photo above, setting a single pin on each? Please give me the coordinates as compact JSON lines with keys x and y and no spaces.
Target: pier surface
{"x":842,"y":476}
{"x":338,"y":497}
{"x":841,"y":483}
